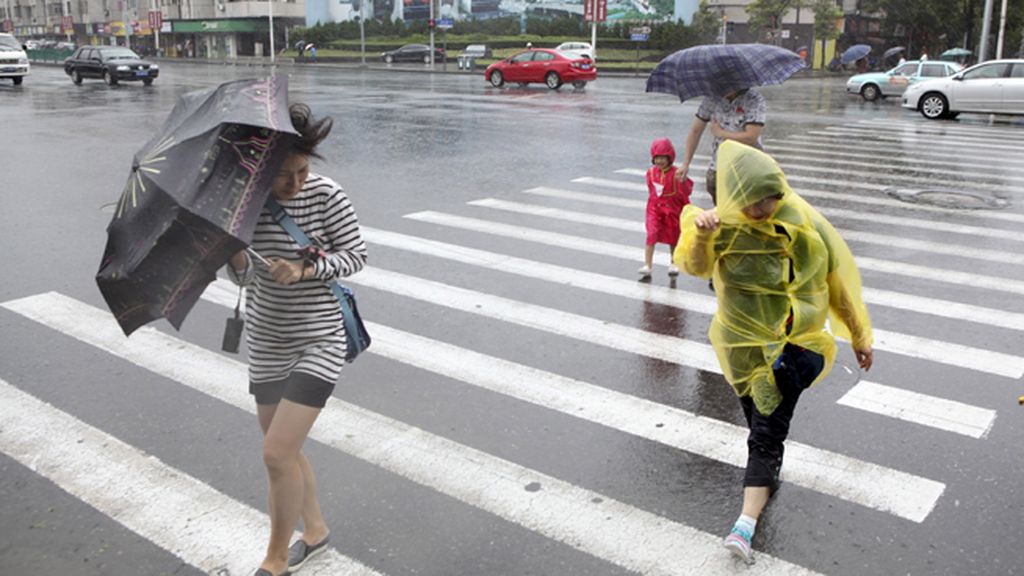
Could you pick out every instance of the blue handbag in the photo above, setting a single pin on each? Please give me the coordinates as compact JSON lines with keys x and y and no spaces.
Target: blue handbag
{"x":358,"y":337}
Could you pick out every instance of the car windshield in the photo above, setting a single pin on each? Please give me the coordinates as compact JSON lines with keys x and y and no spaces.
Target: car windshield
{"x":9,"y":43}
{"x":122,"y":54}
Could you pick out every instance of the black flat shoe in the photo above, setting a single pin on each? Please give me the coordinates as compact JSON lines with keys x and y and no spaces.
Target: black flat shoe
{"x":300,"y":552}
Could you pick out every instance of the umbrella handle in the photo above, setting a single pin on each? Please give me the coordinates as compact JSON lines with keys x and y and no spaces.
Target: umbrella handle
{"x":257,"y":256}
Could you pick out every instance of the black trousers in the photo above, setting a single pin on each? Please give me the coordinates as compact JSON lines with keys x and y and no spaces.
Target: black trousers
{"x":795,"y":370}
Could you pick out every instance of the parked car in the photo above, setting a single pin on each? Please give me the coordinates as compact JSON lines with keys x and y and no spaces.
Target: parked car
{"x":412,"y":53}
{"x":13,"y":59}
{"x":874,"y":85}
{"x":111,"y":63}
{"x":542,"y":65}
{"x":992,"y":87}
{"x":577,"y":49}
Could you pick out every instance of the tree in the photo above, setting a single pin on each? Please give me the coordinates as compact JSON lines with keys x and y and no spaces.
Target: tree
{"x":825,"y":15}
{"x":768,"y":15}
{"x":705,"y":24}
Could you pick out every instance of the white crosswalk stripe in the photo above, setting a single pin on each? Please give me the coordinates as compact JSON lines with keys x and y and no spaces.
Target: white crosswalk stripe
{"x":861,"y":482}
{"x":920,"y":408}
{"x":594,"y":523}
{"x":162,"y":504}
{"x":201,"y":525}
{"x":947,"y":353}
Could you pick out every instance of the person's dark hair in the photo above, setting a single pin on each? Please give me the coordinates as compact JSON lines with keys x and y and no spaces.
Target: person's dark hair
{"x":311,"y":131}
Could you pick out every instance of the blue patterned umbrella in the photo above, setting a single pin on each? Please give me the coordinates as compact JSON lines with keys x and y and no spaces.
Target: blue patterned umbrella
{"x":954,"y":53}
{"x":854,"y":53}
{"x":720,"y":69}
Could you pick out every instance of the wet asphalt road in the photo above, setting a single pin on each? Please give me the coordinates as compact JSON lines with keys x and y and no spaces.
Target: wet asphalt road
{"x":413,"y":150}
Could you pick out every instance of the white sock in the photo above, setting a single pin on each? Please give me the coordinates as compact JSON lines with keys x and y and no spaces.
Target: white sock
{"x":746,"y":524}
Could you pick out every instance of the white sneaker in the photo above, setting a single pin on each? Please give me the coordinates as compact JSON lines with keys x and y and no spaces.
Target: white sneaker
{"x":673,"y":270}
{"x":644,"y":271}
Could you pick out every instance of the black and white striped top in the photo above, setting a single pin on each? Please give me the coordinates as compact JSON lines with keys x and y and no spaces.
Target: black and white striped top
{"x":277,"y":315}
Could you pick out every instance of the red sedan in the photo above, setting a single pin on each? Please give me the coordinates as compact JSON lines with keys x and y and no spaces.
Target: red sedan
{"x":541,"y":65}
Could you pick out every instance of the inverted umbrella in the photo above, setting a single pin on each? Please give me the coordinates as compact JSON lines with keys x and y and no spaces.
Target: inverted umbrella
{"x":720,"y":69}
{"x":892,"y":52}
{"x":954,"y":53}
{"x":192,"y":199}
{"x":854,"y":53}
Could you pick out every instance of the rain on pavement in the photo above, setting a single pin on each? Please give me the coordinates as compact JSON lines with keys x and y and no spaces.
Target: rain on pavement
{"x":527,"y":407}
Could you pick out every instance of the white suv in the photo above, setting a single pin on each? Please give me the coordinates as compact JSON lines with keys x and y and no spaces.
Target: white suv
{"x":13,"y":59}
{"x":992,"y":87}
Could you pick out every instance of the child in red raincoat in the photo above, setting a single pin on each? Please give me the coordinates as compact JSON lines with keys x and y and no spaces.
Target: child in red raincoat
{"x":665,"y":201}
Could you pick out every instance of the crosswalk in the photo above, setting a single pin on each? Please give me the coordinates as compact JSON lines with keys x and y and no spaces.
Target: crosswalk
{"x":492,"y":259}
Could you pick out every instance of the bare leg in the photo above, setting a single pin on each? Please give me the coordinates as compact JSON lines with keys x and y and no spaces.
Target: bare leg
{"x":754,"y":500}
{"x":648,"y":255}
{"x":282,"y":445}
{"x":313,"y":523}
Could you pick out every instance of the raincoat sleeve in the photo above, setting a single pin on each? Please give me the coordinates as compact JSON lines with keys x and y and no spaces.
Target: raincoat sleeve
{"x":244,"y":277}
{"x":848,"y":316}
{"x":695,"y":251}
{"x":347,"y":253}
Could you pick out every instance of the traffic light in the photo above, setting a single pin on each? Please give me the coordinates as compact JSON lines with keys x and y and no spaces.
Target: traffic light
{"x":356,"y":5}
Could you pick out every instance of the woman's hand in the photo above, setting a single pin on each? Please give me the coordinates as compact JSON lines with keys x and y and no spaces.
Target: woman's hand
{"x":717,"y":130}
{"x":286,"y":272}
{"x":864,"y":357}
{"x":707,"y":221}
{"x":239,"y":261}
{"x":681,"y":173}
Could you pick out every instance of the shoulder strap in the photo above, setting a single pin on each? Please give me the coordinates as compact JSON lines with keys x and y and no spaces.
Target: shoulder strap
{"x":286,"y":222}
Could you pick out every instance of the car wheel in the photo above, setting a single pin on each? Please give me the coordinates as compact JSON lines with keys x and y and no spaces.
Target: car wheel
{"x":76,"y":77}
{"x":109,"y":78}
{"x":553,"y":81}
{"x":147,"y":81}
{"x":870,"y":92}
{"x":934,"y":106}
{"x":497,"y":78}
{"x":17,"y":80}
{"x":389,"y":59}
{"x":426,"y":59}
{"x":579,"y":84}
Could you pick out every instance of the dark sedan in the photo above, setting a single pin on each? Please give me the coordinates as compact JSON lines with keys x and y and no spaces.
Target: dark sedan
{"x":111,"y":63}
{"x":412,"y":53}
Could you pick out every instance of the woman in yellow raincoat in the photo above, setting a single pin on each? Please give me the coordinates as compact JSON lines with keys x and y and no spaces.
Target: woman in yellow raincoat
{"x":780,"y":270}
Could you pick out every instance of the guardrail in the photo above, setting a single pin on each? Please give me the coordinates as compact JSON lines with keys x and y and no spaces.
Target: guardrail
{"x":49,"y":54}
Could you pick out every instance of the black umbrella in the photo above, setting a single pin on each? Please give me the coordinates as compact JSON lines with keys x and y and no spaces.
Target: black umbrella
{"x":192,"y":199}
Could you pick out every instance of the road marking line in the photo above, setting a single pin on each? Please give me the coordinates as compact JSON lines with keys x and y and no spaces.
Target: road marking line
{"x":868,"y":134}
{"x":875,"y":201}
{"x":827,"y":141}
{"x":806,"y":154}
{"x":920,"y":409}
{"x":849,"y":235}
{"x":990,"y":132}
{"x":588,"y":521}
{"x":830,"y":473}
{"x":203,"y":527}
{"x":676,"y":297}
{"x":893,"y":131}
{"x":525,"y":314}
{"x":872,"y":217}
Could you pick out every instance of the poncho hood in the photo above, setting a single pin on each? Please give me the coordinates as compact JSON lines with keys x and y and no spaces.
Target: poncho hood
{"x":663,"y":147}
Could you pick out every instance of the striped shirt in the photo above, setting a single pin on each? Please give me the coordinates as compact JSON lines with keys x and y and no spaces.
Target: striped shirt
{"x":299,"y":326}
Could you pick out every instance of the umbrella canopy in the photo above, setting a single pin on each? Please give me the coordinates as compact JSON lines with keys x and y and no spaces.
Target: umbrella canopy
{"x":954,"y":53}
{"x":854,"y":53}
{"x":192,"y":198}
{"x":720,"y":69}
{"x":891,"y":52}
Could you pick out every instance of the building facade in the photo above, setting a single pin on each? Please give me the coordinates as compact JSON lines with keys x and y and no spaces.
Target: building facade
{"x":177,"y":28}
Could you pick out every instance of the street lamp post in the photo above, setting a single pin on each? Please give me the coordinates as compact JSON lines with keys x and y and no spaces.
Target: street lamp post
{"x":270,"y":12}
{"x":431,"y":34}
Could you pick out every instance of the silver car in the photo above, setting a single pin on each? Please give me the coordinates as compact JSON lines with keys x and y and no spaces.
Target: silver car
{"x":993,"y":87}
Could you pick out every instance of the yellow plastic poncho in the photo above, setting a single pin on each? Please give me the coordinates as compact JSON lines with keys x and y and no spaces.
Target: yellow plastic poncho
{"x":777,"y":280}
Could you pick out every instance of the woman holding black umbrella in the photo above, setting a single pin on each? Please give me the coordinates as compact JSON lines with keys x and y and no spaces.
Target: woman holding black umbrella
{"x":296,"y":336}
